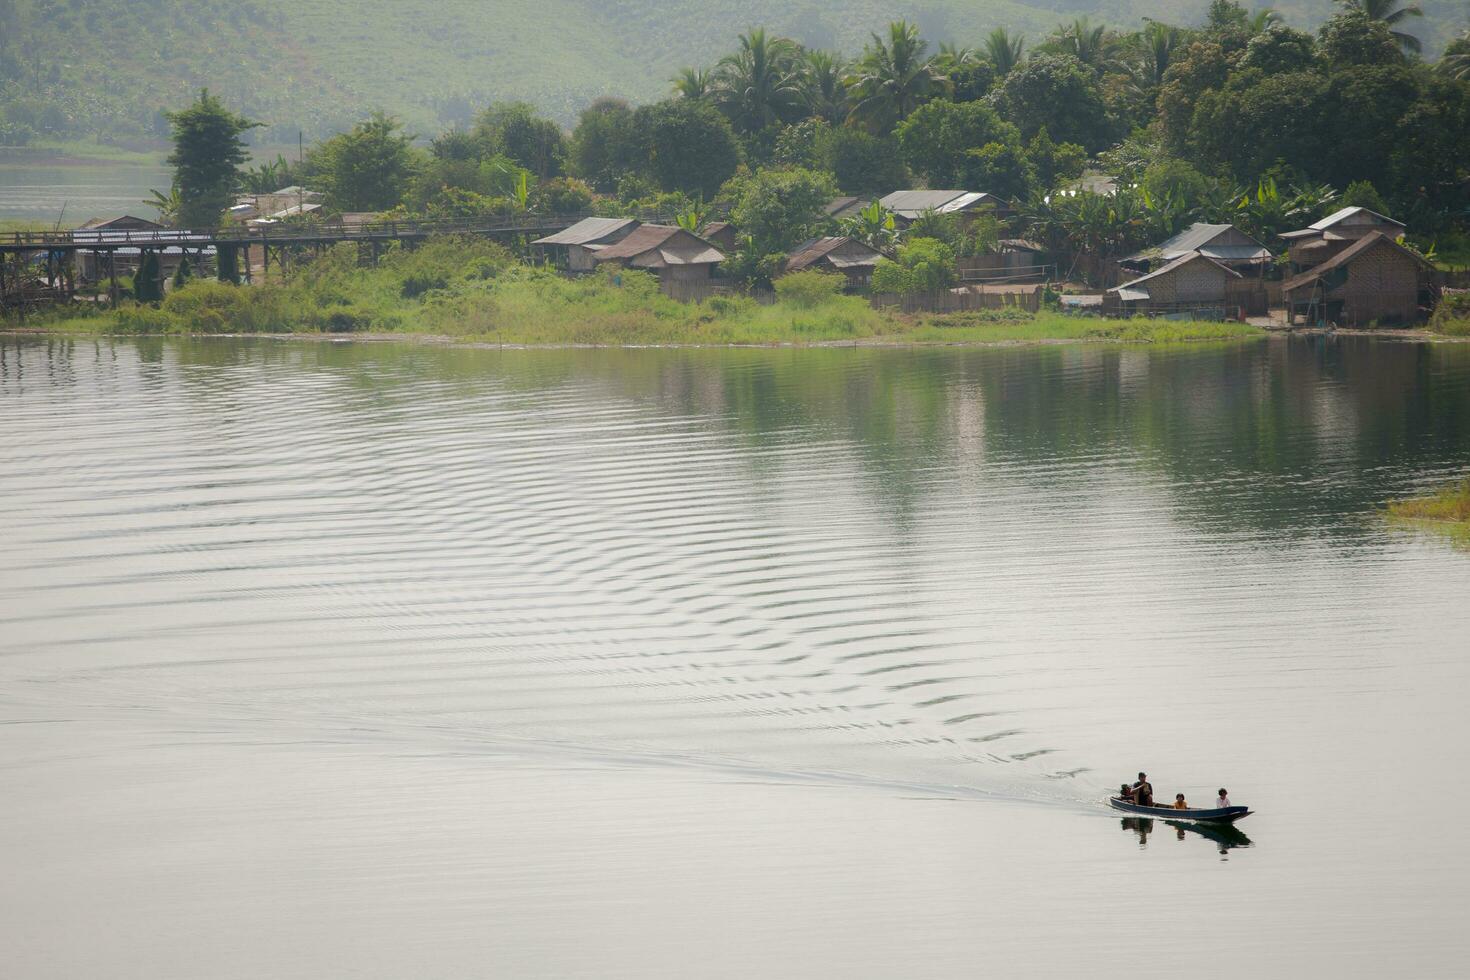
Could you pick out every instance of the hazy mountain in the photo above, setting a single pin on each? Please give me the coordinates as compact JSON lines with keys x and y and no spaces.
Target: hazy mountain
{"x":110,"y":66}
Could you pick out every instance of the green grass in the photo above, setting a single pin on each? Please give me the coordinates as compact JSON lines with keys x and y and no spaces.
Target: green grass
{"x":473,"y":290}
{"x":1446,"y":512}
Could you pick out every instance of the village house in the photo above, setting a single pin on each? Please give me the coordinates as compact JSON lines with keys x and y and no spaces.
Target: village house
{"x":1192,"y":282}
{"x":1226,"y":244}
{"x":1324,"y":239}
{"x":848,"y":256}
{"x":1372,"y":280}
{"x":846,"y":207}
{"x":673,"y":254}
{"x":573,"y":249}
{"x":720,"y":234}
{"x":908,"y":205}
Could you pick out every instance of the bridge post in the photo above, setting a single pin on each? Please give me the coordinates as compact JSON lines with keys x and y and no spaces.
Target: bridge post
{"x":112,"y":276}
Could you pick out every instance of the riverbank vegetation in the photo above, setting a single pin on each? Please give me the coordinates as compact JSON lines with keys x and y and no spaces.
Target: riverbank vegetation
{"x":1447,"y":511}
{"x":473,"y":290}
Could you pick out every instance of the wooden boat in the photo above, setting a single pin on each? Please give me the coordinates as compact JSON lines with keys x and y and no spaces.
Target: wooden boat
{"x":1228,"y":814}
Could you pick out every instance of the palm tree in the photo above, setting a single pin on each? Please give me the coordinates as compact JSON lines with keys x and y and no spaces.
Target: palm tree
{"x":1082,"y":41}
{"x":1390,"y":13}
{"x":893,"y":78}
{"x":1160,"y":41}
{"x":1261,"y":20}
{"x":951,"y":57}
{"x":759,"y":85}
{"x":1003,"y":51}
{"x":821,"y":86}
{"x":692,"y":83}
{"x":1456,"y":60}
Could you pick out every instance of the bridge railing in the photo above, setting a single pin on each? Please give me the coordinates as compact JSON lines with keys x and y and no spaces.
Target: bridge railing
{"x":309,"y":231}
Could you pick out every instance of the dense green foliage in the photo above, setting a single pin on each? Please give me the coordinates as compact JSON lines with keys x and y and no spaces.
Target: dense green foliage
{"x":208,"y":150}
{"x":75,"y":67}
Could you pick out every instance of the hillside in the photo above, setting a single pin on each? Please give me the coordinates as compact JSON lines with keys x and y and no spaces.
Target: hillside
{"x":108,"y":67}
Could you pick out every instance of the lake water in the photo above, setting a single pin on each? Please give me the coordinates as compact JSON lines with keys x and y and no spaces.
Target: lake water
{"x":393,"y":660}
{"x":74,"y":193}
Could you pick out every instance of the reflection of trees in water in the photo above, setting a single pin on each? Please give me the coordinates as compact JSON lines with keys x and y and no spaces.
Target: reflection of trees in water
{"x":1276,"y":435}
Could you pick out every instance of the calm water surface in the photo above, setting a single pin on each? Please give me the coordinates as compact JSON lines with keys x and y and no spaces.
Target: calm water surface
{"x":386,"y":661}
{"x":74,"y":193}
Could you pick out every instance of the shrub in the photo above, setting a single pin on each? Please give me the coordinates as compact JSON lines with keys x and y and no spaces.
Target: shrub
{"x":1452,"y":316}
{"x":924,"y":265}
{"x":809,"y":288}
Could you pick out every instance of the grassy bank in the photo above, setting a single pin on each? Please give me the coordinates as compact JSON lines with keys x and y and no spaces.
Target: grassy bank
{"x":1452,"y":316}
{"x":477,"y":291}
{"x":1447,"y":512}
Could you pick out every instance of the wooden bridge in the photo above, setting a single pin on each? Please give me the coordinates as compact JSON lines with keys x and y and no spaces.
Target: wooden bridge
{"x":58,"y":251}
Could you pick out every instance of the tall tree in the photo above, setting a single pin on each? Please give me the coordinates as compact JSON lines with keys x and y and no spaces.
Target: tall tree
{"x":1392,"y":13}
{"x":893,"y":78}
{"x":692,"y":83}
{"x":822,"y":90}
{"x":514,"y":129}
{"x":760,"y":84}
{"x":209,"y":148}
{"x":1083,"y":41}
{"x":1004,"y":51}
{"x":691,"y":147}
{"x":369,"y":168}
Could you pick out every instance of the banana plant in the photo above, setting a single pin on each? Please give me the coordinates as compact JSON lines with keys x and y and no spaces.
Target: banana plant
{"x":874,"y":226}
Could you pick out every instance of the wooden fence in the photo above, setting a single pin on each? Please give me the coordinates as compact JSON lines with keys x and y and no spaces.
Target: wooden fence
{"x":965,"y":298}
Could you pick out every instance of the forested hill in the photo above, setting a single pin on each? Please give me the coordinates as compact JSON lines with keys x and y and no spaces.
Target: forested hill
{"x":108,"y":67}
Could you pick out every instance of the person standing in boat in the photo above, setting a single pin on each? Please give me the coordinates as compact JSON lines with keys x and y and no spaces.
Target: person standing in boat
{"x":1143,"y":791}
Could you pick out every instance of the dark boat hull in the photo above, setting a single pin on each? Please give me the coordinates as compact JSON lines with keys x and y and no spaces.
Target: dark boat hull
{"x":1229,"y":814}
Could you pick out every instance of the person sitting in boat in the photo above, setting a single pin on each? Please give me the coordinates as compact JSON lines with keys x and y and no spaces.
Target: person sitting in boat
{"x":1179,"y":803}
{"x":1143,"y":791}
{"x":1223,"y":800}
{"x":1125,"y":792}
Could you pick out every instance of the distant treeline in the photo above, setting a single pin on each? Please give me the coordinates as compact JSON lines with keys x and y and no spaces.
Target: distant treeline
{"x":1243,"y":118}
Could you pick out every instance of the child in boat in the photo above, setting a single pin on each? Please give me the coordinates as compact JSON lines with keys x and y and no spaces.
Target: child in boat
{"x":1223,"y":800}
{"x":1179,"y":803}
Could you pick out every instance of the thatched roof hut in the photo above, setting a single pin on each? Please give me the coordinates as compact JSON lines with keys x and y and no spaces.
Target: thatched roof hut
{"x":671,"y":252}
{"x":1372,"y":280}
{"x":576,"y":245}
{"x":1321,"y":240}
{"x":841,"y":254}
{"x":1190,"y":282}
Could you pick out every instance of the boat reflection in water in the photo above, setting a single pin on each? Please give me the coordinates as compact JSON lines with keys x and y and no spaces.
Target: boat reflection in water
{"x":1225,"y":836}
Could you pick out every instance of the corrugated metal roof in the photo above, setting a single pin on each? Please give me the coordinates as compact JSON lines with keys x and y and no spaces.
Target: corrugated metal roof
{"x":1338,"y":217}
{"x":587,"y":231}
{"x":911,"y":203}
{"x":1197,"y":238}
{"x":1131,"y":295}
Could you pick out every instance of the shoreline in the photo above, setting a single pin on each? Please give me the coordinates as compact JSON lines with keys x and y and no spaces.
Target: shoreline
{"x":896,"y":342}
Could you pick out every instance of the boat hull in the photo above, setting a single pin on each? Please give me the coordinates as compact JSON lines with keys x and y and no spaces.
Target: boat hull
{"x":1228,"y":814}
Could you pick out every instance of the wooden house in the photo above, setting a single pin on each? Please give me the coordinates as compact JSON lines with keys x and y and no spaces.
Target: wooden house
{"x":575,"y":247}
{"x":1192,"y":281}
{"x":845,"y":207}
{"x":1324,"y":239}
{"x":1226,"y":244}
{"x":672,"y":253}
{"x":1372,"y":280}
{"x":126,"y":222}
{"x":720,"y":234}
{"x":848,"y":256}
